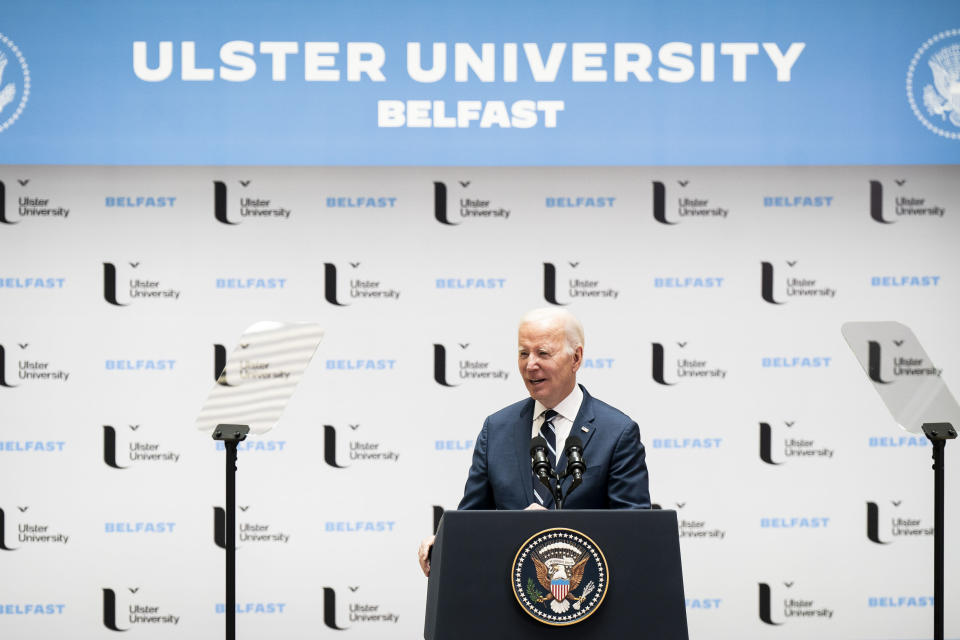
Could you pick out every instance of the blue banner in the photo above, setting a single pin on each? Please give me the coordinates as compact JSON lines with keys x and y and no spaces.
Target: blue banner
{"x":749,"y":82}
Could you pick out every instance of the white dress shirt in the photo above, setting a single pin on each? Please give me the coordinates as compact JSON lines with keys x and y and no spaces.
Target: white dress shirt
{"x":567,"y":411}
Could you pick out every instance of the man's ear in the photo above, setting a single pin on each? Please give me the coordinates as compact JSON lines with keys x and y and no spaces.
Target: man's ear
{"x":577,"y":358}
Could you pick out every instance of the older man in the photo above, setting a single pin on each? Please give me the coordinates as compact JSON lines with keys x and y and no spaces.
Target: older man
{"x":550,"y":352}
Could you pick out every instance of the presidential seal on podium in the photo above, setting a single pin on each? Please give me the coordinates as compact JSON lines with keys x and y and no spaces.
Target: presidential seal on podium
{"x":559,"y":576}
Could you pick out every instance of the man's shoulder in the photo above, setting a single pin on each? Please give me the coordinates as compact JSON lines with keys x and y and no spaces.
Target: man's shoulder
{"x":607,"y":412}
{"x":512,"y":412}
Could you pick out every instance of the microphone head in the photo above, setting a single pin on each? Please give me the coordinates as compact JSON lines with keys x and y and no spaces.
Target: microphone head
{"x":537,"y":443}
{"x":572,"y":442}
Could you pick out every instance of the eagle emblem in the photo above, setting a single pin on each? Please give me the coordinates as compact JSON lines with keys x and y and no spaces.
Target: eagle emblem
{"x":933,"y":84}
{"x":942,"y":98}
{"x":559,"y":576}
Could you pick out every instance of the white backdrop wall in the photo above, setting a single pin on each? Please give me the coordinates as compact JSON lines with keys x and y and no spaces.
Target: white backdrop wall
{"x":102,"y":534}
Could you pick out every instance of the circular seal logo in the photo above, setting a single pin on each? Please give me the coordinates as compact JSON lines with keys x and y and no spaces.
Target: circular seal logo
{"x":14,"y":82}
{"x":933,"y":84}
{"x":559,"y":576}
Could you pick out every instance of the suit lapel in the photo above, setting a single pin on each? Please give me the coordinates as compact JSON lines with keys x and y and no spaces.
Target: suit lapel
{"x":522,"y":448}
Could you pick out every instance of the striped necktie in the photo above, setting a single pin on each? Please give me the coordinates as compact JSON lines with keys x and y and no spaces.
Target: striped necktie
{"x":548,"y":433}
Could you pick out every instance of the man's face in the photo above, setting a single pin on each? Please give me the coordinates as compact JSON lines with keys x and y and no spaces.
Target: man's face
{"x":548,"y":369}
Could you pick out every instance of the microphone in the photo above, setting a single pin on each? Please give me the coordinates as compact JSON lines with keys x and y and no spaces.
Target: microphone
{"x":539,"y":461}
{"x":573,"y":449}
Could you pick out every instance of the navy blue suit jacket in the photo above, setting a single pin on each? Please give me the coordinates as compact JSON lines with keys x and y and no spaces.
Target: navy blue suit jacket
{"x":616,"y":476}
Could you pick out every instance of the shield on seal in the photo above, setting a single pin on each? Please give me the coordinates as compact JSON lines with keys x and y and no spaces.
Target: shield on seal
{"x":560,"y":589}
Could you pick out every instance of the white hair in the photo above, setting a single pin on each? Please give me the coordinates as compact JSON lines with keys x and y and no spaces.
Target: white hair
{"x":572,"y":329}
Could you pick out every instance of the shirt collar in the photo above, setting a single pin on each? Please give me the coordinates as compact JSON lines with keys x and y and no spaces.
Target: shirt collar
{"x":568,"y":408}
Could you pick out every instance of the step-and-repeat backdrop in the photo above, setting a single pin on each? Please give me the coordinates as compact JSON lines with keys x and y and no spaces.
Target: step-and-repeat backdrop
{"x":713,"y":189}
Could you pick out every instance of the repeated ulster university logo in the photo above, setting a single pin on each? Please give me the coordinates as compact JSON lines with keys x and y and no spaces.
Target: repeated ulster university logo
{"x":28,"y":368}
{"x":137,"y":447}
{"x":469,"y":368}
{"x":887,"y":522}
{"x":884,"y":368}
{"x":360,"y":448}
{"x":133,"y":285}
{"x":252,"y":529}
{"x":792,"y":283}
{"x":693,"y":527}
{"x":30,"y":204}
{"x":356,"y":285}
{"x":787,"y":605}
{"x":578,"y":285}
{"x":361,"y":612}
{"x":136,"y":613}
{"x":249,"y":206}
{"x":559,"y":577}
{"x":904,"y":202}
{"x":790,"y":445}
{"x":687,"y":366}
{"x":30,"y":528}
{"x":687,"y":206}
{"x":469,"y":204}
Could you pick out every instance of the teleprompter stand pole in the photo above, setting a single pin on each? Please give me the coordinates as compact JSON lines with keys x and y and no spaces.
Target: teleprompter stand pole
{"x":938,"y":433}
{"x":231,"y":434}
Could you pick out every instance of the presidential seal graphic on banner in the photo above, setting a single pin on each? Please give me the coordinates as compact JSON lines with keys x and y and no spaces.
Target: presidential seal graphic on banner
{"x":14,"y":82}
{"x":933,"y":84}
{"x":559,"y":576}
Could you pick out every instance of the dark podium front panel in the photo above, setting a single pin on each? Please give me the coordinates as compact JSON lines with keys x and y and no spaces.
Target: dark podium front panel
{"x":470,"y":591}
